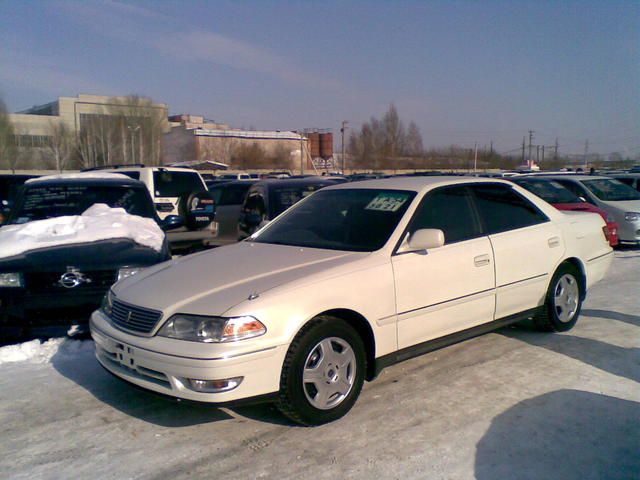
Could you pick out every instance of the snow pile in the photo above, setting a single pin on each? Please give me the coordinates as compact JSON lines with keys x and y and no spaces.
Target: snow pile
{"x":37,"y":352}
{"x":96,"y":174}
{"x":98,"y":222}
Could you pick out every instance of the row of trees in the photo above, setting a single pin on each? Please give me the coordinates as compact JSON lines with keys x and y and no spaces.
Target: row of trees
{"x":123,"y":131}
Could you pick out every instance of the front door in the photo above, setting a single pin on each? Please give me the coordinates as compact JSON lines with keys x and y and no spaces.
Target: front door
{"x":450,"y":288}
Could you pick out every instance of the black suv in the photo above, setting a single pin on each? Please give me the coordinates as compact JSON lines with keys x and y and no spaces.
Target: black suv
{"x":45,"y":291}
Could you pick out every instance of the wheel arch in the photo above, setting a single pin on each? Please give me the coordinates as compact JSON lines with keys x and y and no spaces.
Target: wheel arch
{"x":582,"y":278}
{"x":363,"y":327}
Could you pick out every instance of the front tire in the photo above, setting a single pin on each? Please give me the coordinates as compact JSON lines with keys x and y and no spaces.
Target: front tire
{"x":323,"y":372}
{"x":563,"y":301}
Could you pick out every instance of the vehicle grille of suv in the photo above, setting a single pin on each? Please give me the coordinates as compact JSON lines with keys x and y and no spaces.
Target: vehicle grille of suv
{"x":97,"y":281}
{"x":135,"y":319}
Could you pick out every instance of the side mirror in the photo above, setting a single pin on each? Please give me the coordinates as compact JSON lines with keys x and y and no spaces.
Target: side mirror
{"x":171,"y":222}
{"x":425,"y":239}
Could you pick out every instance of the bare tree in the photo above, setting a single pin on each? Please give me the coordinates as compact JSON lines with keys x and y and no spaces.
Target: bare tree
{"x":8,"y":153}
{"x":61,"y":146}
{"x":413,"y":145}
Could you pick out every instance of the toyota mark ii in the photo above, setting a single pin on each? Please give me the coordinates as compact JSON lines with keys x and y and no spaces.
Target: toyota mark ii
{"x":352,"y":279}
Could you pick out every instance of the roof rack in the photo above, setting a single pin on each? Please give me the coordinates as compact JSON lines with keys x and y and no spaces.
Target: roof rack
{"x":109,"y":167}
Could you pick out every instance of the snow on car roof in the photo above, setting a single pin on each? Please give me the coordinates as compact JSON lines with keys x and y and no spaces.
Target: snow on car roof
{"x":417,"y":183}
{"x":81,"y":175}
{"x":98,"y":222}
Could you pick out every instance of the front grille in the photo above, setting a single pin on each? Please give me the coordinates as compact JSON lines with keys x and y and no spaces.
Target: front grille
{"x":135,"y":319}
{"x":96,"y":281}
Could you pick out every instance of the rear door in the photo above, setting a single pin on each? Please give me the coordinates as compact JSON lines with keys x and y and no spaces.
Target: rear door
{"x":450,"y":288}
{"x":526,"y":245}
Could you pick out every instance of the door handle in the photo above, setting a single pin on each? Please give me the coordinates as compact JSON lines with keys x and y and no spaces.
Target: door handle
{"x":482,"y":260}
{"x":554,"y":242}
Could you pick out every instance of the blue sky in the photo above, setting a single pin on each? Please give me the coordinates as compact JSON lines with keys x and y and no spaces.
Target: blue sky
{"x":463,"y":71}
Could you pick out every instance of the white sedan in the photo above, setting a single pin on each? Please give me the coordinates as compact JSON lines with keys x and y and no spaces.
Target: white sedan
{"x":350,"y":280}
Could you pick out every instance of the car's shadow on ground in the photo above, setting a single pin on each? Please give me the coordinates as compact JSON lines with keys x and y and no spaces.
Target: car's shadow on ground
{"x":624,"y":362}
{"x":85,"y":371}
{"x":568,"y":434}
{"x":611,"y":315}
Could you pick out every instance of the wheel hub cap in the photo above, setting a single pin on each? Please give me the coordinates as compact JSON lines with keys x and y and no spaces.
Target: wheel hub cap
{"x":566,"y":298}
{"x":329,"y":373}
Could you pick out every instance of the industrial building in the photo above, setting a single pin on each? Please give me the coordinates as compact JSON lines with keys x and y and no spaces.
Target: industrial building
{"x":110,"y":130}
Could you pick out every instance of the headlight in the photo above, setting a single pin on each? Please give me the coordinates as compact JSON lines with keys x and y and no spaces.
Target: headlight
{"x":632,"y":216}
{"x":128,"y":271}
{"x":11,"y":280}
{"x":107,"y":303}
{"x":196,"y":328}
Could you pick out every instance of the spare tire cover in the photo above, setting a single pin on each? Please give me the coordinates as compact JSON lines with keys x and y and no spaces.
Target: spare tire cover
{"x":198,"y":209}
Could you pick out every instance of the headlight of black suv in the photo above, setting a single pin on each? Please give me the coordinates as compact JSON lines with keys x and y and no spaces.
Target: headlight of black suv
{"x":198,"y":328}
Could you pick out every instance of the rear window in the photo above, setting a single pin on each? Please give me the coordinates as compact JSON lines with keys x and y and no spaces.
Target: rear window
{"x":549,"y":191}
{"x":611,"y":190}
{"x":39,"y":203}
{"x":176,"y":184}
{"x":281,"y":198}
{"x":229,"y":195}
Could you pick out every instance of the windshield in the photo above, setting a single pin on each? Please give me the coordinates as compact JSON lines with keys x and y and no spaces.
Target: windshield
{"x":611,"y":190}
{"x":353,"y":220}
{"x":549,"y":191}
{"x":43,"y":202}
{"x":175,"y":184}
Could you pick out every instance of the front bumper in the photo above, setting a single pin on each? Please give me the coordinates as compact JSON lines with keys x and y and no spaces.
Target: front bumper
{"x":168,"y":374}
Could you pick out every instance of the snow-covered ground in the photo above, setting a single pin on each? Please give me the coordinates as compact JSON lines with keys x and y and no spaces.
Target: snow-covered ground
{"x":511,"y":404}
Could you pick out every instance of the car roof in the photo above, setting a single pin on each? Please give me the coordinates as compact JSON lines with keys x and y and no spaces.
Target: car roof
{"x":577,"y":176}
{"x":116,"y":181}
{"x":295,"y":182}
{"x":417,"y":183}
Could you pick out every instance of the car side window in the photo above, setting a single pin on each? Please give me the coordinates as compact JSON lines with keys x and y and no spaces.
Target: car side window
{"x":576,"y":188}
{"x":450,"y":210}
{"x":503,"y":209}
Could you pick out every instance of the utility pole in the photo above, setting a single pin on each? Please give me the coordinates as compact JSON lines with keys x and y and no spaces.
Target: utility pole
{"x":542,"y":153}
{"x":523,"y":147}
{"x":301,"y":154}
{"x":342,"y":130}
{"x":491,"y":148}
{"x":475,"y":158}
{"x":537,"y":153}
{"x":531,"y":132}
{"x":555,"y":153}
{"x":586,"y":152}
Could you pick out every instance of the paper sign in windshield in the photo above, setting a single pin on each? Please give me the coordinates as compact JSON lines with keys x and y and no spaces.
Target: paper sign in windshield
{"x":387,"y":202}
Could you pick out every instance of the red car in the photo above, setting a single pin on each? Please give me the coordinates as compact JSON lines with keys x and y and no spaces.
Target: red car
{"x":563,"y":199}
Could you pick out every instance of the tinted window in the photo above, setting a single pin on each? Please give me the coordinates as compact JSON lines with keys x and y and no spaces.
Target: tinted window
{"x":43,"y":202}
{"x":353,"y":220}
{"x":229,"y":194}
{"x":611,"y":190}
{"x":281,"y":198}
{"x":175,"y":184}
{"x":134,"y":175}
{"x":503,"y":209}
{"x":575,"y":188}
{"x":549,"y":191}
{"x":450,"y":210}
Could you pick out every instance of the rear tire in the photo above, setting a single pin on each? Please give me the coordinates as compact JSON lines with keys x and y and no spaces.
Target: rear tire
{"x":323,"y":372}
{"x":563,"y":301}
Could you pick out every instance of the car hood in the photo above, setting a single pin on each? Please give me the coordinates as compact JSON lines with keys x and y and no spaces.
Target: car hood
{"x":214,"y":281}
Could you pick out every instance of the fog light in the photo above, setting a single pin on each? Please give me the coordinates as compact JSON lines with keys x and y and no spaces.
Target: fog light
{"x":214,"y":386}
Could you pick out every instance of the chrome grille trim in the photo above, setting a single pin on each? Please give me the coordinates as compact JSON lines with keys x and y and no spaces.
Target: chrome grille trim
{"x":133,"y":318}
